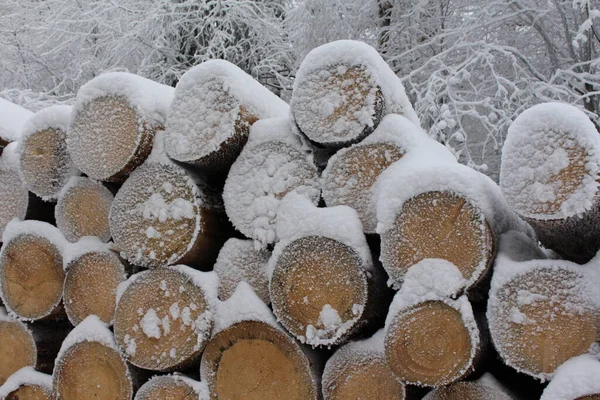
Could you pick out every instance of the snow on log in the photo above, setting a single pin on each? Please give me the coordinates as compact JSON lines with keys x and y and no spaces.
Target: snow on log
{"x":430,"y":339}
{"x":540,"y":312}
{"x":485,"y":388}
{"x":93,"y":275}
{"x":352,"y":172}
{"x":239,"y":261}
{"x":272,"y":164}
{"x":14,"y":196}
{"x":549,"y":175}
{"x":27,"y":384}
{"x":18,"y":347}
{"x":360,"y":370}
{"x":31,"y":270}
{"x":342,"y":90}
{"x":44,"y":162}
{"x":82,"y":209}
{"x":89,"y":365}
{"x":160,"y":216}
{"x":576,"y":379}
{"x":164,"y":316}
{"x":12,"y":120}
{"x":320,"y":272}
{"x":250,"y":357}
{"x":172,"y":387}
{"x":427,"y":209}
{"x":215,"y":103}
{"x":114,"y":120}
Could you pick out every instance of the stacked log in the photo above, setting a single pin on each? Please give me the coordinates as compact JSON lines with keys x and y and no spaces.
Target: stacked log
{"x":18,"y":348}
{"x":27,"y":384}
{"x":44,"y":161}
{"x":12,"y":120}
{"x":251,"y":357}
{"x":214,"y":106}
{"x":14,"y":197}
{"x":172,"y":387}
{"x":486,"y":387}
{"x":271,"y":165}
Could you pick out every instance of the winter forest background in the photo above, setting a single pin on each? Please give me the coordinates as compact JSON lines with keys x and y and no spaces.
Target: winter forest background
{"x":469,"y":66}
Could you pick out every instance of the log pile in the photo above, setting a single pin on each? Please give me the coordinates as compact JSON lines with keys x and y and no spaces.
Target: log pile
{"x":209,"y":241}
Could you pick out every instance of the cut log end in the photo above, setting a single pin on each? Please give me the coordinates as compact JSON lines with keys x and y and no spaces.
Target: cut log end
{"x":82,"y":210}
{"x":31,"y":277}
{"x":30,"y":392}
{"x":337,"y":124}
{"x":17,"y":349}
{"x":468,"y":391}
{"x":162,"y":320}
{"x":349,"y":179}
{"x":429,"y":344}
{"x":438,"y":225}
{"x":91,"y":370}
{"x":108,"y":138}
{"x":45,"y":162}
{"x":14,"y":197}
{"x":254,"y":361}
{"x":319,"y":290}
{"x":91,"y":286}
{"x":166,"y":387}
{"x":541,"y":320}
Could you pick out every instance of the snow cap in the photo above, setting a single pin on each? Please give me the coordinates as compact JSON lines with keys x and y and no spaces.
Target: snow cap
{"x":12,"y":120}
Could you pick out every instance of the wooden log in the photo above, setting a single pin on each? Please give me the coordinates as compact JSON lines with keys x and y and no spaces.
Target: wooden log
{"x":12,"y":120}
{"x":445,"y":211}
{"x":272,"y":164}
{"x":549,"y":174}
{"x":18,"y":347}
{"x":250,"y":357}
{"x":239,"y":261}
{"x":89,"y":365}
{"x":576,"y":379}
{"x":352,"y":172}
{"x":14,"y":197}
{"x":93,"y":275}
{"x":114,"y":120}
{"x":360,"y":370}
{"x":485,"y":388}
{"x":164,"y":316}
{"x":342,"y":90}
{"x":321,"y":272}
{"x":27,"y":384}
{"x":31,"y":270}
{"x":45,"y":164}
{"x":82,"y":209}
{"x":172,"y":387}
{"x":162,"y":216}
{"x":540,"y":312}
{"x":215,"y":103}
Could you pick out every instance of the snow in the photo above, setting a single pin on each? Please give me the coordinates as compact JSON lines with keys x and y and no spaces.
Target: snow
{"x":57,"y":117}
{"x":576,"y":378}
{"x":200,"y":388}
{"x":206,"y":106}
{"x":243,"y":305}
{"x":312,"y":102}
{"x":91,"y":329}
{"x":10,"y":157}
{"x":85,"y":245}
{"x":238,"y":261}
{"x":151,"y":324}
{"x":14,"y":197}
{"x":271,"y":165}
{"x":12,"y":120}
{"x":156,"y":208}
{"x":40,"y":229}
{"x":537,"y":149}
{"x":26,"y":376}
{"x":207,"y":281}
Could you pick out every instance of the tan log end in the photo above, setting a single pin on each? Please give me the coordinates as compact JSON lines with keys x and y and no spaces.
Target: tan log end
{"x":338,"y":105}
{"x":108,"y":139}
{"x":30,"y":392}
{"x":14,"y":197}
{"x":253,"y":360}
{"x":160,"y":217}
{"x":17,"y":348}
{"x":239,"y":261}
{"x":45,"y":163}
{"x":31,"y":277}
{"x":540,"y":319}
{"x":92,"y":370}
{"x":319,"y":290}
{"x":91,"y":286}
{"x":438,"y":225}
{"x":82,"y":210}
{"x":350,"y":176}
{"x":429,"y":345}
{"x":162,"y":320}
{"x":168,"y":387}
{"x":468,"y":391}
